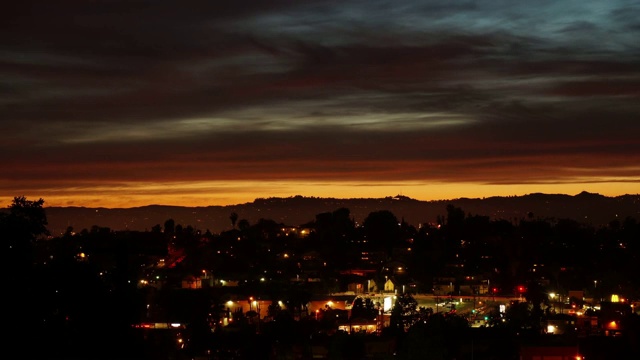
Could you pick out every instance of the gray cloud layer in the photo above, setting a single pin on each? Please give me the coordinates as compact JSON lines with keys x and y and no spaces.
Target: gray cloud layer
{"x":489,"y":91}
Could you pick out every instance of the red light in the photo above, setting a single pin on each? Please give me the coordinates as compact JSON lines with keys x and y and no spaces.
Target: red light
{"x":521,"y":288}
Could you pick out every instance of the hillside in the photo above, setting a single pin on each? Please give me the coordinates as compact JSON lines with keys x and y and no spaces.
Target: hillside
{"x":585,"y":207}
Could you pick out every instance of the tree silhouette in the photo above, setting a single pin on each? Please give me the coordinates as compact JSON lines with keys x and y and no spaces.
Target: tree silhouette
{"x":332,"y":229}
{"x":23,"y":224}
{"x":455,"y":216}
{"x":26,"y":220}
{"x":405,"y":312}
{"x":169,"y":226}
{"x":382,"y":230}
{"x":274,"y":309}
{"x":297,"y":300}
{"x":234,"y":218}
{"x":363,"y":309}
{"x":536,"y":297}
{"x":244,"y":225}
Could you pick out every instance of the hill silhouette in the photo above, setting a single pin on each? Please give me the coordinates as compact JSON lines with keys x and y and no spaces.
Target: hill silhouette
{"x":589,"y":208}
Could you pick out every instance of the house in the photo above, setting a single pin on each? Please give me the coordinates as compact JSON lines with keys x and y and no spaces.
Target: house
{"x":356,"y":288}
{"x":363,"y":326}
{"x":372,"y":287}
{"x":389,"y":286}
{"x":444,"y":286}
{"x":561,"y":324}
{"x":191,"y":282}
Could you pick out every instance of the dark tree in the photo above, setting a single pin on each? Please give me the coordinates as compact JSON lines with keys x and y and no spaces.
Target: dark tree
{"x":234,"y":218}
{"x":20,"y":228}
{"x":405,"y":312}
{"x":169,"y":226}
{"x":440,"y":336}
{"x":274,"y":309}
{"x":332,"y":231}
{"x":243,"y":225}
{"x":363,"y":309}
{"x":297,"y":301}
{"x":455,"y":216}
{"x":25,"y":222}
{"x":382,"y":229}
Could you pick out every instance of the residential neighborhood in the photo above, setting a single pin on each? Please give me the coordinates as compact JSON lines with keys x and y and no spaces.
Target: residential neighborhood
{"x":466,"y":287}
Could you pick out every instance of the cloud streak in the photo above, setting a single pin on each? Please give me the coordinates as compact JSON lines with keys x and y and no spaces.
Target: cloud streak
{"x":318,"y":92}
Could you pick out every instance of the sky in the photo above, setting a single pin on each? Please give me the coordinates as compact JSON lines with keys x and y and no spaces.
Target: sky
{"x":196,"y":103}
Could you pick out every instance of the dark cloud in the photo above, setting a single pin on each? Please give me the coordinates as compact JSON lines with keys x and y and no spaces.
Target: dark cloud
{"x":492,"y":92}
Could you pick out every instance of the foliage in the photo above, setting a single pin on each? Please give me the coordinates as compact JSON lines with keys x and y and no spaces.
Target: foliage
{"x":274,"y":309}
{"x":382,"y":230}
{"x":436,"y":337}
{"x":234,"y":218}
{"x":26,"y":220}
{"x":363,"y":309}
{"x":404,"y":312}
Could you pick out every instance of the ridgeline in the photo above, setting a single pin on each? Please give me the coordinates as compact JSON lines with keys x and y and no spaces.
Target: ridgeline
{"x":588,"y":208}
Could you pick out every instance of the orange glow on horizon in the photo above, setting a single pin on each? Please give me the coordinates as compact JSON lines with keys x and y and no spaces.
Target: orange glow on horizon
{"x":222,"y":193}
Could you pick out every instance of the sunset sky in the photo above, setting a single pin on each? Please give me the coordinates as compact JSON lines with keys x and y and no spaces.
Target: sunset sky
{"x":195,"y":103}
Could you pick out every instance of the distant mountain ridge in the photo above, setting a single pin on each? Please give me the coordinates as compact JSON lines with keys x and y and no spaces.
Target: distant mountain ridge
{"x":590,"y":208}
